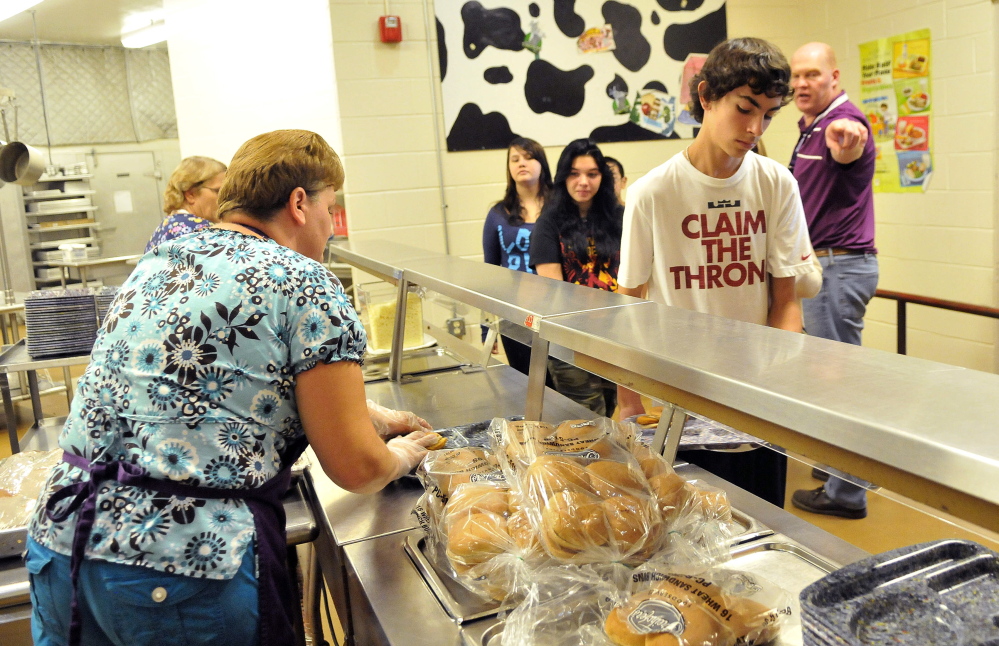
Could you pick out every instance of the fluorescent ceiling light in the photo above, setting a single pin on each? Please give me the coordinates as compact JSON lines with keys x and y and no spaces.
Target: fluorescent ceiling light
{"x":143,"y":29}
{"x":9,"y":8}
{"x":149,"y":35}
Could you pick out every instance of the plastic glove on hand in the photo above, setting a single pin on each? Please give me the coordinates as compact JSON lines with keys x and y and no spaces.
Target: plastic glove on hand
{"x":409,"y":450}
{"x":388,"y":422}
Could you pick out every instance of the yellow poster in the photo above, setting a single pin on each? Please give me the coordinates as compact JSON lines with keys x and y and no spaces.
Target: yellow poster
{"x":897,"y":98}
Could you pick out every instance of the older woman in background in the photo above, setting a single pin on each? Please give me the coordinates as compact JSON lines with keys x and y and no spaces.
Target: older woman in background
{"x":224,"y":354}
{"x":191,"y":199}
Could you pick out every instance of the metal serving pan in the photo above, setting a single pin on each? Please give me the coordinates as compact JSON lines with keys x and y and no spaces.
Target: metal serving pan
{"x":463,"y":606}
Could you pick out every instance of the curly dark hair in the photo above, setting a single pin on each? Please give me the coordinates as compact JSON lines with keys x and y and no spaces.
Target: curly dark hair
{"x":737,"y":62}
{"x":511,"y":201}
{"x":603,"y":221}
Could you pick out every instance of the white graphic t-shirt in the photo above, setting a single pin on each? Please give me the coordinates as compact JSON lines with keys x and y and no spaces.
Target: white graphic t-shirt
{"x":708,"y":244}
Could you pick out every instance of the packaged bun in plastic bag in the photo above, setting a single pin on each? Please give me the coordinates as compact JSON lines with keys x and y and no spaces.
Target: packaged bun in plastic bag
{"x":583,"y":491}
{"x":718,"y":608}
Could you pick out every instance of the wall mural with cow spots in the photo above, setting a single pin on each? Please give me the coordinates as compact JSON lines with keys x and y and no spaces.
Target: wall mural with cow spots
{"x":558,"y":70}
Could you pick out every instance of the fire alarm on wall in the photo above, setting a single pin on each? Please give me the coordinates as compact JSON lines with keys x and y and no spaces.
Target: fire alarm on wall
{"x":390,"y":28}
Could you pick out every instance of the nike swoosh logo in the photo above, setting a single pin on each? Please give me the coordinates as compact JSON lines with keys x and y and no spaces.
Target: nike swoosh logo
{"x":806,"y":256}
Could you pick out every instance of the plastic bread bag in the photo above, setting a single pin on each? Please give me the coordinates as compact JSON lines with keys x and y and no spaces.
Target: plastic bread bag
{"x":22,"y":478}
{"x":440,"y":473}
{"x":591,"y":510}
{"x":513,"y":442}
{"x":597,"y":438}
{"x":720,"y":607}
{"x":490,"y":547}
{"x":566,"y":606}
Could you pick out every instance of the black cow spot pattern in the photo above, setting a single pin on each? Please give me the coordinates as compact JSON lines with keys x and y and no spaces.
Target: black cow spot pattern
{"x":499,"y":28}
{"x":655,"y":85}
{"x":473,"y":130}
{"x":698,"y":37}
{"x":441,"y":49}
{"x":680,"y":5}
{"x":549,"y":89}
{"x":535,"y":10}
{"x":655,"y":18}
{"x":497,"y":75}
{"x":627,"y":131}
{"x":631,"y":48}
{"x":618,"y":84}
{"x":569,"y":22}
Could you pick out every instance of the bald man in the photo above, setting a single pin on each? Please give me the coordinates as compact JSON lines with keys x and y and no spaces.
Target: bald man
{"x":834,"y":165}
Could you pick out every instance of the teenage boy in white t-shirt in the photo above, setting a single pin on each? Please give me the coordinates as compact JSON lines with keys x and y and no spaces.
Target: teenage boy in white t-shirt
{"x":717,"y":228}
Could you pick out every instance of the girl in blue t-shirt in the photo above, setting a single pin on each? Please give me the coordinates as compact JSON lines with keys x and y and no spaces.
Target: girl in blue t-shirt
{"x":506,"y":235}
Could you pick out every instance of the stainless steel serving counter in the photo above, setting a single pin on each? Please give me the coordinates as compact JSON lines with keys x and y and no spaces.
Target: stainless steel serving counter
{"x":391,"y":604}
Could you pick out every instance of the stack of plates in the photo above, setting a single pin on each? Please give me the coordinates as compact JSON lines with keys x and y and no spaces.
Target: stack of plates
{"x":60,"y":322}
{"x":104,"y":296}
{"x":944,"y":592}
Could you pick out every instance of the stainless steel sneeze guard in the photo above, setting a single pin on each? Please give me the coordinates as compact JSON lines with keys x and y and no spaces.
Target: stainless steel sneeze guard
{"x":921,"y":428}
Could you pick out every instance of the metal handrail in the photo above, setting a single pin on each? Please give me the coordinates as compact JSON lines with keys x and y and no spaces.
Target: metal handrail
{"x":903,"y":299}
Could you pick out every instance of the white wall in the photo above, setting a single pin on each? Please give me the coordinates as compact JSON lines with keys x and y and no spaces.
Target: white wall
{"x":244,"y":67}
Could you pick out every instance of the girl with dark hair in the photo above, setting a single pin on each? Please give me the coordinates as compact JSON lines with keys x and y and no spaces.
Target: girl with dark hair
{"x":506,"y":235}
{"x":578,"y":239}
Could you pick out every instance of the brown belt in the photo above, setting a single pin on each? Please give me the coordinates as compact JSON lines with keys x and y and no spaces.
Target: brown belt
{"x":821,"y":253}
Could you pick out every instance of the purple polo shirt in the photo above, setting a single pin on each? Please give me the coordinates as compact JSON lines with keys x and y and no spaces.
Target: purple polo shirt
{"x":838,"y":198}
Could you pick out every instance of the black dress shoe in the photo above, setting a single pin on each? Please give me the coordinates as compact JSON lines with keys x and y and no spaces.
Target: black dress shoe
{"x":819,"y":474}
{"x":817,"y":502}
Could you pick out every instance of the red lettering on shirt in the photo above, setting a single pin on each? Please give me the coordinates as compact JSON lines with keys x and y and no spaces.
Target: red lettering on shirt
{"x":685,"y":227}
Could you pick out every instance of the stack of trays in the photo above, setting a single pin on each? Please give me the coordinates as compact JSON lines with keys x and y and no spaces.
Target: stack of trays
{"x":60,"y":322}
{"x":104,"y":296}
{"x":944,"y":592}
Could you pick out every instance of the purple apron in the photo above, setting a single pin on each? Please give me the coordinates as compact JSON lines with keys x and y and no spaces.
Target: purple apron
{"x":276,"y":595}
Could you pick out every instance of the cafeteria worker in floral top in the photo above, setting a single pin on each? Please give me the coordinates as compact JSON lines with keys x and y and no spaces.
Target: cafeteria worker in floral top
{"x":225,"y":352}
{"x":191,"y":199}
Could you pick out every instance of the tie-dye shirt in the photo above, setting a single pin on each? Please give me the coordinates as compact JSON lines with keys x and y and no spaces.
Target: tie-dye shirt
{"x":195,"y":368}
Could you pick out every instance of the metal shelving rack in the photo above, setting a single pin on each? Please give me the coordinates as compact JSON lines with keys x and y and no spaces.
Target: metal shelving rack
{"x":50,"y":225}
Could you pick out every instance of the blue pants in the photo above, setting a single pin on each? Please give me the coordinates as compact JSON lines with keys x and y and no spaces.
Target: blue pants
{"x":132,"y":605}
{"x":837,"y":313}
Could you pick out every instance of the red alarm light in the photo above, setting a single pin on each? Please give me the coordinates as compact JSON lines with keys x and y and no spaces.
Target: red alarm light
{"x":390,"y":28}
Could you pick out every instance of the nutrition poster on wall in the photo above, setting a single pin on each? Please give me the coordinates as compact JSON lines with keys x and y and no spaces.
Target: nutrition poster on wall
{"x":896,"y":96}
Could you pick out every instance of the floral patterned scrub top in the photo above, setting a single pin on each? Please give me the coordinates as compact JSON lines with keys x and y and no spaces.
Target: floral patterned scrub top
{"x":197,"y":362}
{"x":178,"y":223}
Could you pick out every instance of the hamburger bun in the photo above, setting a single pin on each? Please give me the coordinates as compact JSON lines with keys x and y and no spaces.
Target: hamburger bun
{"x":474,"y":497}
{"x":475,"y":538}
{"x":628,"y":520}
{"x":610,"y":478}
{"x":652,"y":464}
{"x":573,"y":522}
{"x":713,"y":503}
{"x":549,"y":474}
{"x":672,"y":493}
